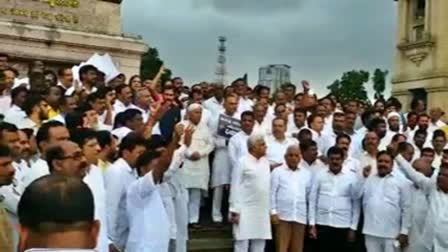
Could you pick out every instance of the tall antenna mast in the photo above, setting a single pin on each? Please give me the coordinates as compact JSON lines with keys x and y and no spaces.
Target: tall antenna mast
{"x":221,"y":70}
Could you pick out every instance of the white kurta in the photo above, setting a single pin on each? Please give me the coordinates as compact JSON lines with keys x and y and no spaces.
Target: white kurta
{"x":419,"y":209}
{"x":94,"y":179}
{"x":196,"y":174}
{"x":221,"y":167}
{"x":117,"y":179}
{"x":238,"y":147}
{"x":179,"y":196}
{"x":435,"y":231}
{"x":250,"y":198}
{"x":148,"y":220}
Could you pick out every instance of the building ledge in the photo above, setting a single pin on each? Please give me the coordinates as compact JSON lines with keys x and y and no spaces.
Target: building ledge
{"x":417,"y":51}
{"x":47,"y":35}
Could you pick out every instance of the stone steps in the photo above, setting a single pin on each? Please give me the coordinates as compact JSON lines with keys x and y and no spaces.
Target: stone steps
{"x":210,"y":238}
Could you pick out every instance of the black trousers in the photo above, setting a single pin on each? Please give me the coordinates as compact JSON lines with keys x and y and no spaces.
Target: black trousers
{"x":332,"y":239}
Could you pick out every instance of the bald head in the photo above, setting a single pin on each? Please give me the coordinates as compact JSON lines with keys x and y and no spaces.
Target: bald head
{"x":292,"y":156}
{"x":57,"y":212}
{"x":423,"y":166}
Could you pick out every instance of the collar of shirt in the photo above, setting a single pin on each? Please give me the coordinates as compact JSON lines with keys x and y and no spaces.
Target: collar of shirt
{"x":285,"y":166}
{"x":214,"y":100}
{"x":340,"y":173}
{"x":122,"y":163}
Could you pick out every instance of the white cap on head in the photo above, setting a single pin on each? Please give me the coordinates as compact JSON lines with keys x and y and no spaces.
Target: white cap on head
{"x":392,"y":114}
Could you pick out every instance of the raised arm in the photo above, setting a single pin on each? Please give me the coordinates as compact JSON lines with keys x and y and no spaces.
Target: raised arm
{"x":418,"y":178}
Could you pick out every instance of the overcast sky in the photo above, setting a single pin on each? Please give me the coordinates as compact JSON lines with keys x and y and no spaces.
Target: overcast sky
{"x":319,"y":39}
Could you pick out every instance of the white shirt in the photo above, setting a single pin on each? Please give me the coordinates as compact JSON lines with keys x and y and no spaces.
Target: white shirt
{"x":121,"y":132}
{"x":15,"y":115}
{"x":94,"y":179}
{"x":276,"y":149}
{"x":5,"y":103}
{"x":386,"y":204}
{"x":435,"y":231}
{"x":265,"y":127}
{"x":244,"y":104}
{"x":117,"y":180}
{"x":435,"y":126}
{"x":334,"y":199}
{"x":148,"y":220}
{"x":59,"y":118}
{"x":365,"y":160}
{"x":120,"y":106}
{"x":238,"y":147}
{"x":71,"y":90}
{"x":351,"y":164}
{"x":323,"y":141}
{"x":38,"y":169}
{"x":12,"y":194}
{"x":213,"y":106}
{"x":289,"y":193}
{"x":314,"y":168}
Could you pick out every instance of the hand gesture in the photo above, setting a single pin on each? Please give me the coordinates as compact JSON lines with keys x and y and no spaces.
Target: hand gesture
{"x":179,"y":130}
{"x":306,"y":86}
{"x":158,"y":110}
{"x":366,"y":171}
{"x":162,"y":69}
{"x":188,"y":135}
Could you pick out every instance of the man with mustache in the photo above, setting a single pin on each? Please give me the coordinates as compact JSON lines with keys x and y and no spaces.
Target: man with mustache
{"x":73,"y":160}
{"x":343,"y":141}
{"x":386,"y":205}
{"x":6,"y":178}
{"x":9,"y":136}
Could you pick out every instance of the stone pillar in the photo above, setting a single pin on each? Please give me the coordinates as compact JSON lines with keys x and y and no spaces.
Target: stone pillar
{"x":427,"y":17}
{"x":405,"y":97}
{"x":438,"y":97}
{"x":402,"y":21}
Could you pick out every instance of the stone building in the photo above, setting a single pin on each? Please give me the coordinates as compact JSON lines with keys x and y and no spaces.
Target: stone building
{"x":421,"y":59}
{"x":273,"y":76}
{"x":66,"y":32}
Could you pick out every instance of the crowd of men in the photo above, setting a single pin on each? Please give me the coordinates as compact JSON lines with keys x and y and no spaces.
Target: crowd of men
{"x":127,"y":166}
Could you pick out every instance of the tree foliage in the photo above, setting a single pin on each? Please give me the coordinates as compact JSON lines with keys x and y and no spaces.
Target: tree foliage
{"x":379,"y":82}
{"x":150,"y":65}
{"x":350,"y":86}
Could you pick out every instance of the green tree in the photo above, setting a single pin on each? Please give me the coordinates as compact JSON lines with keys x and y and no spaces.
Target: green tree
{"x":350,"y":86}
{"x":379,"y":82}
{"x":150,"y":65}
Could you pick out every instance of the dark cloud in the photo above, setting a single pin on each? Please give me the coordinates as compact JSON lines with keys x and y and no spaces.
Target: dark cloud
{"x":320,"y":39}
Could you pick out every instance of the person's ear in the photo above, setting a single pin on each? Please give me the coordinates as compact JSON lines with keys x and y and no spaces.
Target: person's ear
{"x":23,"y":238}
{"x":94,"y":233}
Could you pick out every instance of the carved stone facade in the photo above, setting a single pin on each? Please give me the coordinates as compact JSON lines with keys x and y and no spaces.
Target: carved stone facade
{"x":421,"y":59}
{"x":66,"y":32}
